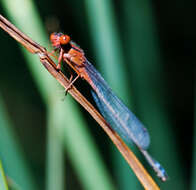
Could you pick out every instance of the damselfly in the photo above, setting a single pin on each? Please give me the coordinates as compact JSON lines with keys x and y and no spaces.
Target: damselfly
{"x":120,"y":118}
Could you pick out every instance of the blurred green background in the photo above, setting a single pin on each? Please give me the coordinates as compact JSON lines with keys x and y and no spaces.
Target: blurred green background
{"x":145,"y":51}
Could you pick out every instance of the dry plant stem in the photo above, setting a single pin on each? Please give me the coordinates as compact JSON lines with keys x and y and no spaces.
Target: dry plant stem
{"x":35,"y":48}
{"x":134,"y":163}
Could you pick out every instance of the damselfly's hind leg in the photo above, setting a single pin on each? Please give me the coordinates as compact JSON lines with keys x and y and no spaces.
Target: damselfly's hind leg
{"x":71,"y":83}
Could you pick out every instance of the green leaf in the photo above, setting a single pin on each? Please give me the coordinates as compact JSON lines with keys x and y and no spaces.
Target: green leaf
{"x":3,"y":182}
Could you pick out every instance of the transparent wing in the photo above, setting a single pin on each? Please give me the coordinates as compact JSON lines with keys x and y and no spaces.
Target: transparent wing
{"x":121,"y":119}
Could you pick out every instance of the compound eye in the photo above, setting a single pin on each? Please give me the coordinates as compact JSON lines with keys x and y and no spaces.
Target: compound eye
{"x":54,"y":38}
{"x":64,"y":39}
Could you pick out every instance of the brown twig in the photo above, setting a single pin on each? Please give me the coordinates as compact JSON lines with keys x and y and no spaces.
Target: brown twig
{"x":35,"y":48}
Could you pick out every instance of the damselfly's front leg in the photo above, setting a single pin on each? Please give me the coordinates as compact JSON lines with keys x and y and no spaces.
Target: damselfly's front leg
{"x":60,"y":58}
